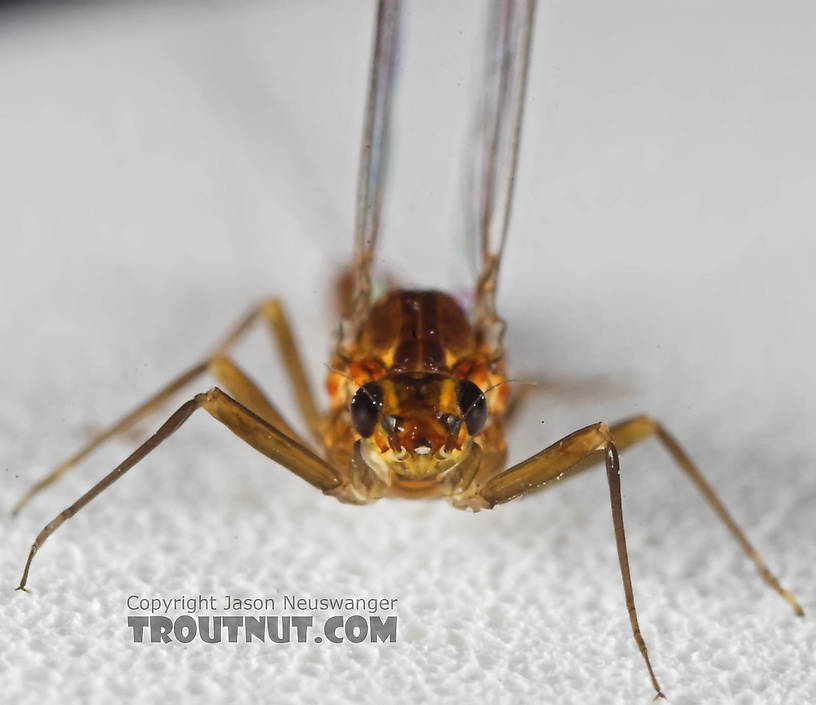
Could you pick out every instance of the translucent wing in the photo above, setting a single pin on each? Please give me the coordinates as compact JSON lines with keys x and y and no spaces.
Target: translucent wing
{"x":374,"y":153}
{"x":496,"y":155}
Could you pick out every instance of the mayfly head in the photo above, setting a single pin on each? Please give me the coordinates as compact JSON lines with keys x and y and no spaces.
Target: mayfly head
{"x":418,"y":425}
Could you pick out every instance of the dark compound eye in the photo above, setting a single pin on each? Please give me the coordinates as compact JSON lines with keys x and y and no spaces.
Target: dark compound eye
{"x":366,"y":406}
{"x":473,"y":404}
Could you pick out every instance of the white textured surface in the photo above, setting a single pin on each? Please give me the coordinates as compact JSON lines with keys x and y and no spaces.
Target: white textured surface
{"x":164,"y":166}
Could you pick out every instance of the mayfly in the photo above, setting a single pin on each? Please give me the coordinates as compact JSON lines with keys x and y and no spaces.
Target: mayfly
{"x":417,"y":385}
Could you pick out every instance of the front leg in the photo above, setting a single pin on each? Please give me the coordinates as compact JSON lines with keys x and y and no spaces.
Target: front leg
{"x":639,"y":428}
{"x":251,"y":428}
{"x":585,"y":448}
{"x":556,"y":462}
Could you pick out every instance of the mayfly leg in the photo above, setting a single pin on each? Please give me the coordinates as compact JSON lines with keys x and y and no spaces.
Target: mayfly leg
{"x":374,"y":153}
{"x":496,"y":153}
